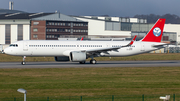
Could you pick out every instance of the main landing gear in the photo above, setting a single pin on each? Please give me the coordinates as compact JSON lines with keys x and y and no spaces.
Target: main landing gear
{"x":23,"y":62}
{"x":92,"y":61}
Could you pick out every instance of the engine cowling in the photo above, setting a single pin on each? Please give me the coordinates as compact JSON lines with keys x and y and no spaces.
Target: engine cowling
{"x":78,"y":56}
{"x":61,"y":58}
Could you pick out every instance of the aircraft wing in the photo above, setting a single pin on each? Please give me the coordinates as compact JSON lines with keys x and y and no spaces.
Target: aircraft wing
{"x":98,"y":51}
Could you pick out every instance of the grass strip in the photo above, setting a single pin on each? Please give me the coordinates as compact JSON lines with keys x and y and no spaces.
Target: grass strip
{"x":90,"y":81}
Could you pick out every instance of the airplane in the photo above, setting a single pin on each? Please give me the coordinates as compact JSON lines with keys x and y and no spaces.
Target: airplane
{"x":79,"y":51}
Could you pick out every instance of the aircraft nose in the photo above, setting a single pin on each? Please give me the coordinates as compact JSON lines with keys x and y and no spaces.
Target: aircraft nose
{"x":7,"y":51}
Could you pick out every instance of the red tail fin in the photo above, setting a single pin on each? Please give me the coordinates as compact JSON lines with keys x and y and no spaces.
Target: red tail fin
{"x":155,"y":34}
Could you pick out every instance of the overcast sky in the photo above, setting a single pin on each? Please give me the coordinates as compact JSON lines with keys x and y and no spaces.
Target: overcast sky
{"x":120,"y":8}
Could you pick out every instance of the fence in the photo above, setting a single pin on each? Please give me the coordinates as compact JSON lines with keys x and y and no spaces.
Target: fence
{"x":173,"y":97}
{"x":173,"y":50}
{"x":168,"y":50}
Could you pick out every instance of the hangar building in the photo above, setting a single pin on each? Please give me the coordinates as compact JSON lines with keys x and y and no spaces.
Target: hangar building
{"x":17,"y":26}
{"x":39,"y":26}
{"x":127,"y":27}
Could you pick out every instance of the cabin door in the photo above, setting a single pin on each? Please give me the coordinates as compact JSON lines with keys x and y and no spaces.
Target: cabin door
{"x":25,"y":46}
{"x":142,"y":46}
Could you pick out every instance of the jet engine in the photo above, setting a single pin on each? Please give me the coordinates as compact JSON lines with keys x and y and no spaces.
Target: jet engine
{"x":75,"y":56}
{"x":61,"y":58}
{"x":78,"y":56}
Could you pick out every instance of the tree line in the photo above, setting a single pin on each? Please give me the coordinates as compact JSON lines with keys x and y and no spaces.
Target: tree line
{"x":152,"y":18}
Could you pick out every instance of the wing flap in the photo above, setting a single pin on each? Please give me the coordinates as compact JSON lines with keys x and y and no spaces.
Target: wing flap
{"x":99,"y":50}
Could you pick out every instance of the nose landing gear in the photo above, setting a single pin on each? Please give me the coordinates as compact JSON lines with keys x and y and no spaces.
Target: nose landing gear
{"x":23,"y":62}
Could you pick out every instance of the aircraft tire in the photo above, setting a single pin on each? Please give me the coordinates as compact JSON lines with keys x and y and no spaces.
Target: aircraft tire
{"x":23,"y":62}
{"x":93,"y":61}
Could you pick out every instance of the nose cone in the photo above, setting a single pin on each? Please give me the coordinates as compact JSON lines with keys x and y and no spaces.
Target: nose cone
{"x":7,"y":51}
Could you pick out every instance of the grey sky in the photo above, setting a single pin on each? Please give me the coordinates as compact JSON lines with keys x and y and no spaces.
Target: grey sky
{"x":121,"y":8}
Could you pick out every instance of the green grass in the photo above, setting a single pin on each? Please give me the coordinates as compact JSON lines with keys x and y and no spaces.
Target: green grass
{"x":90,"y":81}
{"x":147,"y":56}
{"x":94,"y":82}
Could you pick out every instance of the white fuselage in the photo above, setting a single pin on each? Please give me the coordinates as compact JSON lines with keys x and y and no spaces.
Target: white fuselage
{"x":62,"y":48}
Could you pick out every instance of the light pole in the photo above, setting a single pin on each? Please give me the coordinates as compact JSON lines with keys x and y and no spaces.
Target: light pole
{"x":22,"y":91}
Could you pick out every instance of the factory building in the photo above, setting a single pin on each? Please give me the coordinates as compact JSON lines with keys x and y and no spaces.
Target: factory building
{"x":18,"y":25}
{"x":38,"y":26}
{"x":57,"y":25}
{"x":127,"y":27}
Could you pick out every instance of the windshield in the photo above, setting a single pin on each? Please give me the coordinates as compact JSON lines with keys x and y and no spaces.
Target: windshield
{"x":13,"y":45}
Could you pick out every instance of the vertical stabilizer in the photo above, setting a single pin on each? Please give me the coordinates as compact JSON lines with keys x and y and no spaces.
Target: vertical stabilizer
{"x":155,"y":34}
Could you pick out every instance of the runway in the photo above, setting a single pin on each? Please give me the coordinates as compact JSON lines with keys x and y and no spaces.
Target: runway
{"x":170,"y":63}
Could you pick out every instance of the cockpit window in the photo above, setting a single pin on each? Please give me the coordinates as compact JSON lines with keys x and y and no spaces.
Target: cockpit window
{"x":13,"y":45}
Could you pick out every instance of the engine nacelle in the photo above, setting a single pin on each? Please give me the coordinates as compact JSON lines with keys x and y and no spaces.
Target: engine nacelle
{"x":78,"y":56}
{"x":61,"y":58}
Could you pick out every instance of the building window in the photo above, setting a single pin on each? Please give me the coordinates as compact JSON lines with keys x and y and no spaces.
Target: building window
{"x":35,"y":23}
{"x":35,"y":30}
{"x":8,"y":34}
{"x":20,"y":32}
{"x":35,"y":36}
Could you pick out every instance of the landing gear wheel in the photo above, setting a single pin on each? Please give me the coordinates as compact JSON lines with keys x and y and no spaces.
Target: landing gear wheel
{"x":82,"y":62}
{"x":93,"y":61}
{"x":23,"y":62}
